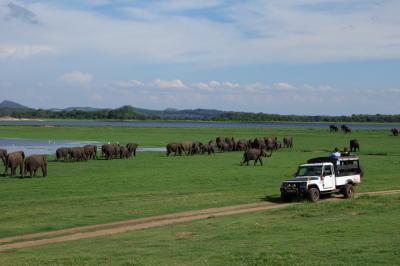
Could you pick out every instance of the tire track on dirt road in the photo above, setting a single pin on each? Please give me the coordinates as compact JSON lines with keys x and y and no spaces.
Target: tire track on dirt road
{"x":84,"y":232}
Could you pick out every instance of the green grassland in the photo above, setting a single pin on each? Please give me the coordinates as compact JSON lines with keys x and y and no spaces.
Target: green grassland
{"x":151,"y":183}
{"x":364,"y":231}
{"x":102,"y":191}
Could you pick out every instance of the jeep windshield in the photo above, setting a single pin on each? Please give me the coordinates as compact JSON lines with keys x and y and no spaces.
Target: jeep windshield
{"x":309,"y":170}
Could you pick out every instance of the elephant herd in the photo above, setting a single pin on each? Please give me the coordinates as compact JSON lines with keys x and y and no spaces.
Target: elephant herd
{"x":395,"y":131}
{"x":345,"y":129}
{"x":87,"y":152}
{"x":29,"y":164}
{"x":253,"y":149}
{"x":35,"y":162}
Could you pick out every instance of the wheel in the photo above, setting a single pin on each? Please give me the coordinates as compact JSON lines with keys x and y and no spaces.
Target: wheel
{"x":313,"y":194}
{"x":348,"y":191}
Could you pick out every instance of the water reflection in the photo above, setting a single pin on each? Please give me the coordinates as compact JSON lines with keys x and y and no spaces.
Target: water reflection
{"x":33,"y":146}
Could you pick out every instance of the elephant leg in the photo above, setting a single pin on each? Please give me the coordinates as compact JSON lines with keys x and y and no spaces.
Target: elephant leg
{"x":34,"y":172}
{"x":261,"y":161}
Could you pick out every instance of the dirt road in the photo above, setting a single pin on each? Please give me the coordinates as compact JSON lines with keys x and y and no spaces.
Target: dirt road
{"x":57,"y":236}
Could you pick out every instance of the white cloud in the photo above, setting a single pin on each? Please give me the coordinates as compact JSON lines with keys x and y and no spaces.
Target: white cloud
{"x":237,"y":33}
{"x":78,"y":77}
{"x":130,"y":83}
{"x":23,"y":51}
{"x":169,"y":84}
{"x":284,"y":86}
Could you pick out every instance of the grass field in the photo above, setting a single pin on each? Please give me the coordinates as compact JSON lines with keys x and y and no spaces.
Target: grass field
{"x":364,"y":231}
{"x":102,"y":191}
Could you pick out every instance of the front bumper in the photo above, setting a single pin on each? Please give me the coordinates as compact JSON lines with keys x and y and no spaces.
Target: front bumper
{"x":294,"y":188}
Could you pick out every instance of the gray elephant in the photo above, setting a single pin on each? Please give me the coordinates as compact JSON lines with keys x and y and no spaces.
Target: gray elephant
{"x":354,"y":145}
{"x":13,"y":160}
{"x":124,"y":152}
{"x":176,"y":148}
{"x":117,"y":150}
{"x":254,"y":154}
{"x":241,"y":145}
{"x":208,"y":148}
{"x":187,"y":147}
{"x":109,"y":151}
{"x":62,"y":153}
{"x":33,"y":163}
{"x":90,"y":151}
{"x":132,"y":148}
{"x":77,"y":154}
{"x":287,"y":142}
{"x":3,"y":156}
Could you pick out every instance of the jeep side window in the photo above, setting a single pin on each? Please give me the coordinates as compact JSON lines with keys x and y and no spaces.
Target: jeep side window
{"x":327,"y":170}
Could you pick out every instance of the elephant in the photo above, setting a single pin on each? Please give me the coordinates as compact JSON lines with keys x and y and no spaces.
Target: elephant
{"x":254,"y":154}
{"x":288,"y":142}
{"x":77,"y":154}
{"x":13,"y":160}
{"x":395,"y":131}
{"x":90,"y":151}
{"x":109,"y":151}
{"x":345,"y":129}
{"x":3,"y":155}
{"x":333,"y":128}
{"x":117,"y":150}
{"x":271,"y":143}
{"x":354,"y":145}
{"x":220,"y":142}
{"x":187,"y":147}
{"x":241,"y":145}
{"x":208,"y":148}
{"x":196,"y":148}
{"x":132,"y":148}
{"x":62,"y":153}
{"x":250,"y":143}
{"x":259,"y":143}
{"x":223,"y":146}
{"x":124,"y":152}
{"x":177,"y":148}
{"x":231,"y":143}
{"x":33,"y":163}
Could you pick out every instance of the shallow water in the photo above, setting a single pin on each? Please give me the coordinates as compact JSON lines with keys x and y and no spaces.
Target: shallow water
{"x":34,"y":146}
{"x":30,"y":146}
{"x":193,"y":124}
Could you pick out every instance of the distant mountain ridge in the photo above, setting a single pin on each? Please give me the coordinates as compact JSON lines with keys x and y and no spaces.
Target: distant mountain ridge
{"x":7,"y":107}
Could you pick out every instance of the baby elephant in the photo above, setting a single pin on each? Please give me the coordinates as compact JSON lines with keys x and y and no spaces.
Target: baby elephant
{"x":254,"y":154}
{"x":33,"y":163}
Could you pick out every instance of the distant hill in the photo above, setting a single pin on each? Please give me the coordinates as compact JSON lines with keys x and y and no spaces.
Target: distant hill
{"x":8,"y":107}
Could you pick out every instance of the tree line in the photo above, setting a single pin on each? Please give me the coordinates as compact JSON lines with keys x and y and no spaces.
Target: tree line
{"x":128,"y":113}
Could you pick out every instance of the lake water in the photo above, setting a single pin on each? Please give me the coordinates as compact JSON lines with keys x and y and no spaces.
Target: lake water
{"x":32,"y":146}
{"x":192,"y":124}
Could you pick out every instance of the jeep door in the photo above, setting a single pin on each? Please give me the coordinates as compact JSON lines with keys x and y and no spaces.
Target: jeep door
{"x":328,"y":178}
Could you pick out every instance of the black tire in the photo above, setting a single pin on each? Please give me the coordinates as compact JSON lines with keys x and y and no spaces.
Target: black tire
{"x":348,"y":191}
{"x":313,"y":194}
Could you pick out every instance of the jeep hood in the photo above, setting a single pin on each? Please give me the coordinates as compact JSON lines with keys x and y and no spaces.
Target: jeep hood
{"x":303,"y":178}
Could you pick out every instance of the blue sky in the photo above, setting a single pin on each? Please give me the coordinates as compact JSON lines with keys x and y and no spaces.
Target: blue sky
{"x":313,"y":57}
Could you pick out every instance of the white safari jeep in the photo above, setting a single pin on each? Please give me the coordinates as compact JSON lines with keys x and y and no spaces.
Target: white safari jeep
{"x":324,"y":175}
